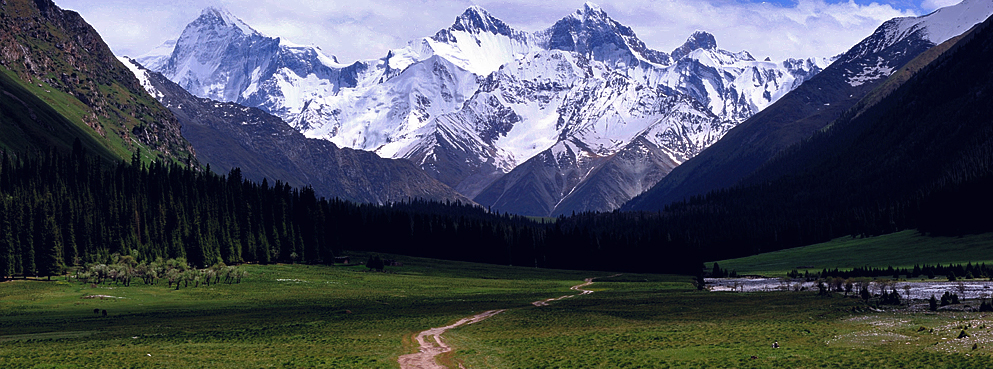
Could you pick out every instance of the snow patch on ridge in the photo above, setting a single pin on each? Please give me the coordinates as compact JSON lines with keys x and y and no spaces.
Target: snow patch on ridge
{"x":871,"y":73}
{"x":142,"y":76}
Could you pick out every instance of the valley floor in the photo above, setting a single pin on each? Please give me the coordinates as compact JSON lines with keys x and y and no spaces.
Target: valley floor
{"x":345,"y":317}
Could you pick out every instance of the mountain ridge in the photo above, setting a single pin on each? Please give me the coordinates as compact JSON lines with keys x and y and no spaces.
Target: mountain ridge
{"x":229,"y":136}
{"x":479,"y":98}
{"x":799,"y":114}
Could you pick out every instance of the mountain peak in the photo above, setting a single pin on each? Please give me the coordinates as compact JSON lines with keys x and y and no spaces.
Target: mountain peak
{"x":223,"y":17}
{"x":475,"y":19}
{"x":590,"y":11}
{"x":590,"y":7}
{"x":698,"y":40}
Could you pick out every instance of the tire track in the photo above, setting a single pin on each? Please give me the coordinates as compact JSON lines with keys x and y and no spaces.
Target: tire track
{"x":431,"y":345}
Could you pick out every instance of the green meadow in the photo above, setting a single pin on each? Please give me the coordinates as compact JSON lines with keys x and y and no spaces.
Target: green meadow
{"x":299,"y":316}
{"x":899,"y":250}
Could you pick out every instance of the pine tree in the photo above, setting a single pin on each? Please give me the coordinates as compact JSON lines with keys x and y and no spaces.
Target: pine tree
{"x":6,"y":239}
{"x":50,"y":261}
{"x":26,"y":230}
{"x":717,"y":272}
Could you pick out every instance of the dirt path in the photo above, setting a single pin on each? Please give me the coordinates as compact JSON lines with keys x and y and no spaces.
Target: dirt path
{"x":430,"y":348}
{"x":578,"y":287}
{"x":424,"y":358}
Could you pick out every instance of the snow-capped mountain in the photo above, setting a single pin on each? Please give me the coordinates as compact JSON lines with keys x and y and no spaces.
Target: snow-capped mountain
{"x":228,"y":135}
{"x":814,"y":105}
{"x":930,"y":30}
{"x":574,"y":175}
{"x":474,"y":101}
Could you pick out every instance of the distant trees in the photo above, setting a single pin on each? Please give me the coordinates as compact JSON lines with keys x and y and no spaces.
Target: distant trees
{"x":717,"y":272}
{"x":931,"y":271}
{"x":949,"y":298}
{"x":891,"y":298}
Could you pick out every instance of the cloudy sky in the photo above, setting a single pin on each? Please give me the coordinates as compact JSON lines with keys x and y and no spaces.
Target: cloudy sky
{"x":366,"y":29}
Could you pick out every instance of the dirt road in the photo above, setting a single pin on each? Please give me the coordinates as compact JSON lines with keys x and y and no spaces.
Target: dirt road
{"x":431,"y":344}
{"x":578,"y":287}
{"x":434,"y":346}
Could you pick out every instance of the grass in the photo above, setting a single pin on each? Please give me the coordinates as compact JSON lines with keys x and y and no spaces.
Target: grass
{"x":644,"y":325}
{"x":42,"y":117}
{"x":899,"y":250}
{"x":345,"y":317}
{"x":281,"y":315}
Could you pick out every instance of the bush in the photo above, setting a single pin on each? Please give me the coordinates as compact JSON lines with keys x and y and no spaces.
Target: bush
{"x":375,"y":263}
{"x":891,"y":298}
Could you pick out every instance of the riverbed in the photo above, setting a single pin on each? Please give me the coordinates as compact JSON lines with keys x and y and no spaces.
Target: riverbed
{"x":917,"y":290}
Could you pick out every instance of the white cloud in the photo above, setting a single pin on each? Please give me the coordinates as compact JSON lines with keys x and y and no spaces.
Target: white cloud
{"x":366,"y":29}
{"x":931,"y":5}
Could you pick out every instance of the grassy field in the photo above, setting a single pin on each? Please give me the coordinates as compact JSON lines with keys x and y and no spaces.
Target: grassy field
{"x":899,"y":250}
{"x":281,"y":315}
{"x":343,"y":317}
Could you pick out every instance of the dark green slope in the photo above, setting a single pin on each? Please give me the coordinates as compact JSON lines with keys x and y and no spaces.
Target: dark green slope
{"x":28,"y":124}
{"x":793,"y":118}
{"x":928,"y":146}
{"x":920,"y":158}
{"x":56,"y":56}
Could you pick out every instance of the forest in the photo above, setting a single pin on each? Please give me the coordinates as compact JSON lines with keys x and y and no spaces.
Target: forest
{"x":64,"y":210}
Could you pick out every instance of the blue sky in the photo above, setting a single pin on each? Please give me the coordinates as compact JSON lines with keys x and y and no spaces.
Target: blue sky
{"x":919,"y":6}
{"x":366,"y":29}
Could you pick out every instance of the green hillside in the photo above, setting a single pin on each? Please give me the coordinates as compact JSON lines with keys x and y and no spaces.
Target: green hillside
{"x":54,"y":55}
{"x":899,"y":250}
{"x":31,"y":124}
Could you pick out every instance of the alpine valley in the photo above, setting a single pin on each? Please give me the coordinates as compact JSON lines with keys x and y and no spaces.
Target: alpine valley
{"x":283,"y":209}
{"x":581,"y":116}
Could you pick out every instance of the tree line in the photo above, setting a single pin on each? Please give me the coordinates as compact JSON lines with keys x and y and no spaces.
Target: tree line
{"x":61,"y":210}
{"x":950,"y":271}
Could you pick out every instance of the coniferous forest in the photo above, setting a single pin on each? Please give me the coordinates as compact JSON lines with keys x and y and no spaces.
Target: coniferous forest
{"x":61,"y":210}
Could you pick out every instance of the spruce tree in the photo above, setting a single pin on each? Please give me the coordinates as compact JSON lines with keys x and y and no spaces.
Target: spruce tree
{"x":6,"y":240}
{"x":26,"y":231}
{"x":50,"y":260}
